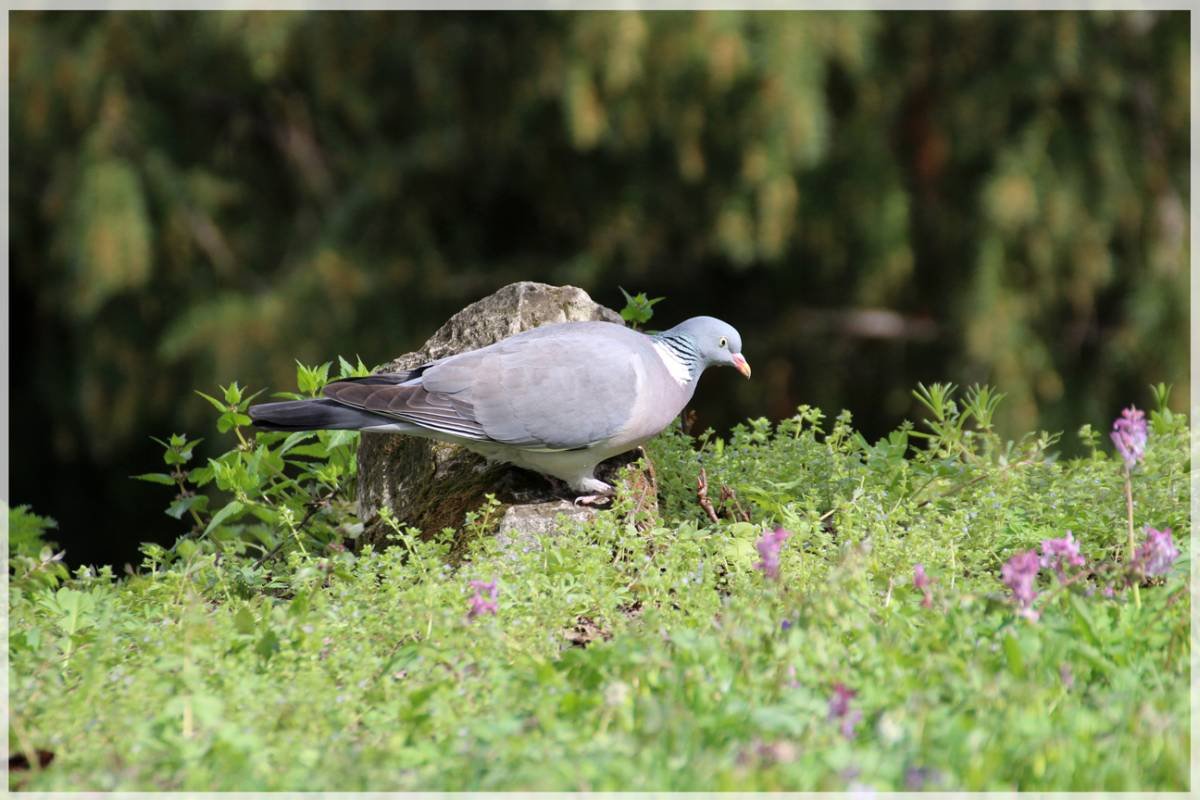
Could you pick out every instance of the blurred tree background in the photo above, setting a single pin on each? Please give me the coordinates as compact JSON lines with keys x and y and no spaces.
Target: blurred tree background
{"x":873,"y":198}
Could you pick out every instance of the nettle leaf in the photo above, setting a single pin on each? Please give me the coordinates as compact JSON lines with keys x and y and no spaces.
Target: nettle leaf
{"x":314,"y":450}
{"x":201,"y":475}
{"x":214,"y":402}
{"x":310,"y":380}
{"x":155,"y":477}
{"x":197,"y":502}
{"x":336,"y":439}
{"x":268,"y":645}
{"x":292,"y":440}
{"x":233,"y":393}
{"x":265,"y":514}
{"x":244,"y":621}
{"x":356,"y":370}
{"x":232,"y":508}
{"x":638,"y":308}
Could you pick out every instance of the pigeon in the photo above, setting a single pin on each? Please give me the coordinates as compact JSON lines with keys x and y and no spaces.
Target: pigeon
{"x":557,"y":399}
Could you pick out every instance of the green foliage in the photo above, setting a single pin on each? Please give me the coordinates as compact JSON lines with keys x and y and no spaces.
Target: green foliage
{"x":627,"y":655}
{"x":271,"y":489}
{"x":26,"y":530}
{"x":32,"y":558}
{"x":638,"y":308}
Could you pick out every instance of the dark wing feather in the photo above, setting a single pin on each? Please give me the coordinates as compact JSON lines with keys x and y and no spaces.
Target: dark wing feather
{"x":409,"y":402}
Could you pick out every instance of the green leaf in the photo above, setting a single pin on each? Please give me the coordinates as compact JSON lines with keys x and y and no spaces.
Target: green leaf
{"x":155,"y":477}
{"x":294,"y":439}
{"x":233,"y":393}
{"x":338,"y":439}
{"x":184,"y":504}
{"x":315,"y":450}
{"x":26,"y":530}
{"x":1012,"y":652}
{"x":201,"y":475}
{"x":231,"y":508}
{"x":638,"y":308}
{"x":268,"y":645}
{"x":217,"y":404}
{"x":243,"y":621}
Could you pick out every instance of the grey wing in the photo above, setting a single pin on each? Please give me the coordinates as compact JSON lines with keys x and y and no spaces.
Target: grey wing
{"x":559,"y":387}
{"x":404,"y":397}
{"x":570,"y":388}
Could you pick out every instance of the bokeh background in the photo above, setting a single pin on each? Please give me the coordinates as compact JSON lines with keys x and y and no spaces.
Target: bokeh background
{"x":873,"y":199}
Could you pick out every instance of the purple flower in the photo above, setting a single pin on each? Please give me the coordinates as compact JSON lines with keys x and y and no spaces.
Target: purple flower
{"x":1018,"y":574}
{"x":478,"y":604}
{"x":1129,"y":436}
{"x":1066,"y":675}
{"x":1057,"y":551}
{"x":1156,"y":555}
{"x":839,"y":704}
{"x":922,"y":581}
{"x":839,"y":709}
{"x":917,"y":778}
{"x":785,"y":625}
{"x":768,"y":549}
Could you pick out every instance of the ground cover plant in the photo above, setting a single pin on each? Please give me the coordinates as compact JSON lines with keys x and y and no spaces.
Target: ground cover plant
{"x":940,"y":609}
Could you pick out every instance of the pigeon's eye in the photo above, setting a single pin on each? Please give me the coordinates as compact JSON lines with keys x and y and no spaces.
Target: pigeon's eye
{"x":723,"y":342}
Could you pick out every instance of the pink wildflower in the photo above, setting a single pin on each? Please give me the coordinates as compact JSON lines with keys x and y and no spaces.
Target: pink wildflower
{"x":1156,"y":554}
{"x":839,"y":709}
{"x":1018,"y":574}
{"x":478,"y":605}
{"x":1129,"y":436}
{"x":1057,"y":551}
{"x":922,"y":581}
{"x":768,"y":549}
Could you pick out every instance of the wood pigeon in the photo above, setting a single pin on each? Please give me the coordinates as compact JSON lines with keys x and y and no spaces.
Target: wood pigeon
{"x":558,"y":399}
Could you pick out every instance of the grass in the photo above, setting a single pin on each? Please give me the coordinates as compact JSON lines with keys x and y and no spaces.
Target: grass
{"x":634,"y":653}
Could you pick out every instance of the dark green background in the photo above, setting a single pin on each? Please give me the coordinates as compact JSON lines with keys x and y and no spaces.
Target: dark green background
{"x":873,"y":199}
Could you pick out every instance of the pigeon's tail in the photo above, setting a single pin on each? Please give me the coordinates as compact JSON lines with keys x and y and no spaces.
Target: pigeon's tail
{"x":310,"y":415}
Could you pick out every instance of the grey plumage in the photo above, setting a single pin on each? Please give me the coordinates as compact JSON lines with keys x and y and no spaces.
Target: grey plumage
{"x":557,"y":399}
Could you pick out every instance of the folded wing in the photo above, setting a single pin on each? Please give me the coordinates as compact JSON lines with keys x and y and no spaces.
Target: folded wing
{"x":559,"y":387}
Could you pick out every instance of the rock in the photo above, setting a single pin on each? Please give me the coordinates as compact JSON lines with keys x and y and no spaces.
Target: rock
{"x":432,"y":485}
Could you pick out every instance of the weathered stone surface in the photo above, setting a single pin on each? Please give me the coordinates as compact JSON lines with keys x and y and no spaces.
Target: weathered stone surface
{"x":432,"y":485}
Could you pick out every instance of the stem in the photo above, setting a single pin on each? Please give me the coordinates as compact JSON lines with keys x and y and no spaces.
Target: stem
{"x":1137,"y":596}
{"x":295,"y":532}
{"x":702,"y":495}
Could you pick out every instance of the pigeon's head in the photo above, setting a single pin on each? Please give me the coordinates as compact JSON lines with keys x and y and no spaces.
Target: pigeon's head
{"x":714,"y":343}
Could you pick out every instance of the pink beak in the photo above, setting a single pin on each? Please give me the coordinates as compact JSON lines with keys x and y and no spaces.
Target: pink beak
{"x":743,"y":366}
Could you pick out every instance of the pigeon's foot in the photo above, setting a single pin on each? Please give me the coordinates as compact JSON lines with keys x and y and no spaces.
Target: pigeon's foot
{"x":594,"y":500}
{"x":600,"y":493}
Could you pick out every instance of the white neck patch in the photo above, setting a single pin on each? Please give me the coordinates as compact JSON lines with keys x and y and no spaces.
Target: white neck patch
{"x":677,"y":368}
